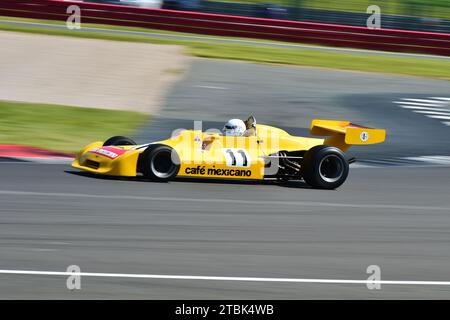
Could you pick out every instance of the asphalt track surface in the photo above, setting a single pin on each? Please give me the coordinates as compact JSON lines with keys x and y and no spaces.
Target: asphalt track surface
{"x":51,"y":217}
{"x":394,"y":217}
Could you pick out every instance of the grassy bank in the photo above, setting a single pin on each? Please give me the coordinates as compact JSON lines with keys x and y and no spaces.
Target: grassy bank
{"x":414,"y":66}
{"x":62,"y":128}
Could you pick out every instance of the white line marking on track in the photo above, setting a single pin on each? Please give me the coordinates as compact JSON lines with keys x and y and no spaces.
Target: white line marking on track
{"x":433,"y":112}
{"x":231,"y":201}
{"x":434,"y":107}
{"x":422,"y":100}
{"x":215,"y":278}
{"x":432,"y":159}
{"x":419,"y":104}
{"x":360,"y":165}
{"x":424,"y":108}
{"x":38,"y":160}
{"x":440,"y":117}
{"x":211,"y":87}
{"x":46,"y":160}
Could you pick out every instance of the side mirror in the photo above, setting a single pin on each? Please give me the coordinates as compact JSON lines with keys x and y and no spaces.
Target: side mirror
{"x":250,"y":122}
{"x":250,"y":125}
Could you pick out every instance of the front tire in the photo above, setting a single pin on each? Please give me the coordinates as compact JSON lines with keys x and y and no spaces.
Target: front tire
{"x":325,"y":167}
{"x":160,"y":163}
{"x":119,"y":141}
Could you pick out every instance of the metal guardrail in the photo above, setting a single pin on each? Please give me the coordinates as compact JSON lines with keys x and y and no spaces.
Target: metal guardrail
{"x":235,"y":26}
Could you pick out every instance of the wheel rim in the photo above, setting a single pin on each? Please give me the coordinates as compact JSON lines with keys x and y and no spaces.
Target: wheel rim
{"x":162,"y":165}
{"x":331,"y":168}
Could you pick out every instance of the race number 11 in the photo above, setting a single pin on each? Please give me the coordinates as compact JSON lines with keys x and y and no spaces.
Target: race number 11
{"x":236,"y":157}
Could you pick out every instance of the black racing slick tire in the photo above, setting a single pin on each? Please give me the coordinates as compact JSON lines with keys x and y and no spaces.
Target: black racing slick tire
{"x":119,"y":141}
{"x":324,"y":167}
{"x":160,"y":163}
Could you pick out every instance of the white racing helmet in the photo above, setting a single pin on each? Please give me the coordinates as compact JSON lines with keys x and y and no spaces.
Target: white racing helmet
{"x":234,"y":127}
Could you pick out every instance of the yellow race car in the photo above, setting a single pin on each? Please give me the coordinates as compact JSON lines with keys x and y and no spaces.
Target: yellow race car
{"x":261,"y":152}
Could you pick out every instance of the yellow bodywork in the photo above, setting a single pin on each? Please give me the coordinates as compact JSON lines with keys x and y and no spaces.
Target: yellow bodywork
{"x":124,"y":165}
{"x":212,"y":155}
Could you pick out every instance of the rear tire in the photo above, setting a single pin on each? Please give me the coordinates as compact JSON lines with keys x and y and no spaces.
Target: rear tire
{"x":325,"y":167}
{"x":119,"y":141}
{"x":160,"y":163}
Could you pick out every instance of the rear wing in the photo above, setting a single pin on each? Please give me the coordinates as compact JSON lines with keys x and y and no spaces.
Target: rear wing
{"x":343,"y":134}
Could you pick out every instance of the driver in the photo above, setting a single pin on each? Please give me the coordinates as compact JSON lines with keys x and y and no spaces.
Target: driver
{"x":234,"y":127}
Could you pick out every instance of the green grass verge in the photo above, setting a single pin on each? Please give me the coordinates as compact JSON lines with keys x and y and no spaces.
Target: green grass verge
{"x":414,"y":66}
{"x":62,"y":128}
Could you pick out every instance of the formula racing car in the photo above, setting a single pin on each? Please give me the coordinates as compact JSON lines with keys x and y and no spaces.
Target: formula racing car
{"x":242,"y":150}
